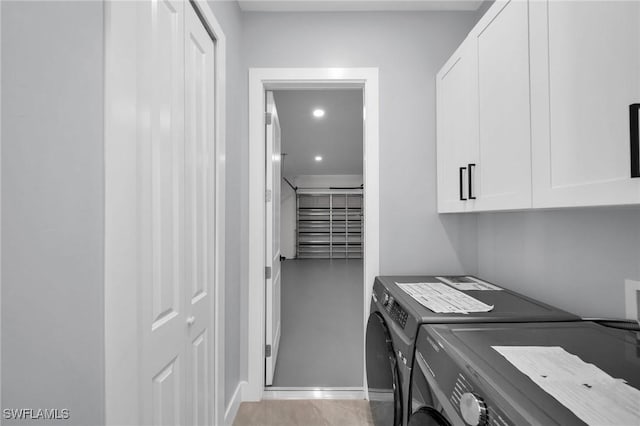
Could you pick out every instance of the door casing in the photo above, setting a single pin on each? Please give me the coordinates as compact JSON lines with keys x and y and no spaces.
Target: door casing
{"x":261,"y":80}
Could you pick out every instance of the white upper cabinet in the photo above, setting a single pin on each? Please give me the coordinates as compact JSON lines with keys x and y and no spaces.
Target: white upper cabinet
{"x":585,"y":74}
{"x":484,"y":144}
{"x":539,"y":108}
{"x":457,"y":125}
{"x":501,"y":177}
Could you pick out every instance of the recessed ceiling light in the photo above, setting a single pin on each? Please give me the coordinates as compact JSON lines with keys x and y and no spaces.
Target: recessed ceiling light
{"x":318,"y":113}
{"x":318,"y":158}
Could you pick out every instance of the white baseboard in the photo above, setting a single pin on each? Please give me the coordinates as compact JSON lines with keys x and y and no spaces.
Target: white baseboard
{"x":313,"y":393}
{"x":234,"y":405}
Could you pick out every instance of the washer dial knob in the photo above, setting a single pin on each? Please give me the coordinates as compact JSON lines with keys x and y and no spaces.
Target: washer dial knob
{"x":473,"y":409}
{"x":385,"y":299}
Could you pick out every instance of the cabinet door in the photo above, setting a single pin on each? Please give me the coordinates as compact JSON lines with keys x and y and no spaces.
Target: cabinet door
{"x":501,"y":177}
{"x":585,"y":74}
{"x":457,"y":123}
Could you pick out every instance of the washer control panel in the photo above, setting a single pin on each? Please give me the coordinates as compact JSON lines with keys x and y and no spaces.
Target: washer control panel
{"x":395,"y":311}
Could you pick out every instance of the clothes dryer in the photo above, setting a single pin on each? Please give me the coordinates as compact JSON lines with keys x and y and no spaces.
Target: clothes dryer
{"x":461,"y":375}
{"x":393,"y":324}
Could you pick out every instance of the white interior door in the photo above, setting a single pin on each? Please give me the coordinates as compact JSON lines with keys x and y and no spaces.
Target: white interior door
{"x":199,"y":218}
{"x":272,"y":282}
{"x":176,"y":193}
{"x":161,"y":83}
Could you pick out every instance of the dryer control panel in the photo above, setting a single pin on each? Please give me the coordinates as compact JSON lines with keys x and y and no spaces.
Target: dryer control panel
{"x":467,"y":396}
{"x":395,"y":310}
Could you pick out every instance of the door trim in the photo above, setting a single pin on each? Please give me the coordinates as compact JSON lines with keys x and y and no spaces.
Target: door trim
{"x":313,"y":393}
{"x":260,"y":80}
{"x":121,"y":316}
{"x":0,"y":201}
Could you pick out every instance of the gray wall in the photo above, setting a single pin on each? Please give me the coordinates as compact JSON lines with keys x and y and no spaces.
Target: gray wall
{"x":52,"y":201}
{"x":576,"y":259}
{"x":229,"y":16}
{"x":408,"y":49}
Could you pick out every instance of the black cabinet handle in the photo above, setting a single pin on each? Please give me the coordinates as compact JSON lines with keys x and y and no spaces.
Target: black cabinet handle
{"x":462,"y":169}
{"x":470,"y":177}
{"x":635,"y":140}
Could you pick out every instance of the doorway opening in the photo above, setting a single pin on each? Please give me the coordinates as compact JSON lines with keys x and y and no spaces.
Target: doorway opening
{"x":261,"y":81}
{"x":314,"y":146}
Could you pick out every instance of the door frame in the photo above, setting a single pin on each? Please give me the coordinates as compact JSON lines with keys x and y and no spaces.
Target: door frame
{"x":122,"y":319}
{"x":0,"y":200}
{"x":261,"y":80}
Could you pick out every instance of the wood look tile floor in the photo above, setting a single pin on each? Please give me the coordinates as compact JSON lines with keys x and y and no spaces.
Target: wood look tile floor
{"x":311,"y":412}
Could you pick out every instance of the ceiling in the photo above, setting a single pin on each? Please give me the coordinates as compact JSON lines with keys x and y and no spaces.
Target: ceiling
{"x":337,"y":136}
{"x":356,"y":5}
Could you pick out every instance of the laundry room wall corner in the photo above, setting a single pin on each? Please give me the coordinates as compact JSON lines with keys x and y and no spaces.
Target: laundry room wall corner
{"x":408,"y":54}
{"x":462,"y":235}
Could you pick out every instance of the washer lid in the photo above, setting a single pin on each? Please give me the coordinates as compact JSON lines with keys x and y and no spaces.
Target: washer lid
{"x":509,"y":306}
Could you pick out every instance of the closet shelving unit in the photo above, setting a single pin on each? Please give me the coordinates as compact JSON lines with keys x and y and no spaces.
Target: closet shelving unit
{"x":329,"y":224}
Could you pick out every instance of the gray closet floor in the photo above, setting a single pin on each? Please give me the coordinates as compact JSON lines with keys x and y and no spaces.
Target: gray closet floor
{"x":321,"y":344}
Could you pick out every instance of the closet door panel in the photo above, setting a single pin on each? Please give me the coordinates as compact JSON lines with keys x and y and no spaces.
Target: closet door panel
{"x":161,"y":206}
{"x":199,"y":216}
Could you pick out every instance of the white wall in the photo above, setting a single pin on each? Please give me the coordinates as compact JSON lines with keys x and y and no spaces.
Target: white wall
{"x":53,"y":207}
{"x":408,"y":49}
{"x":229,"y":16}
{"x":576,"y":259}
